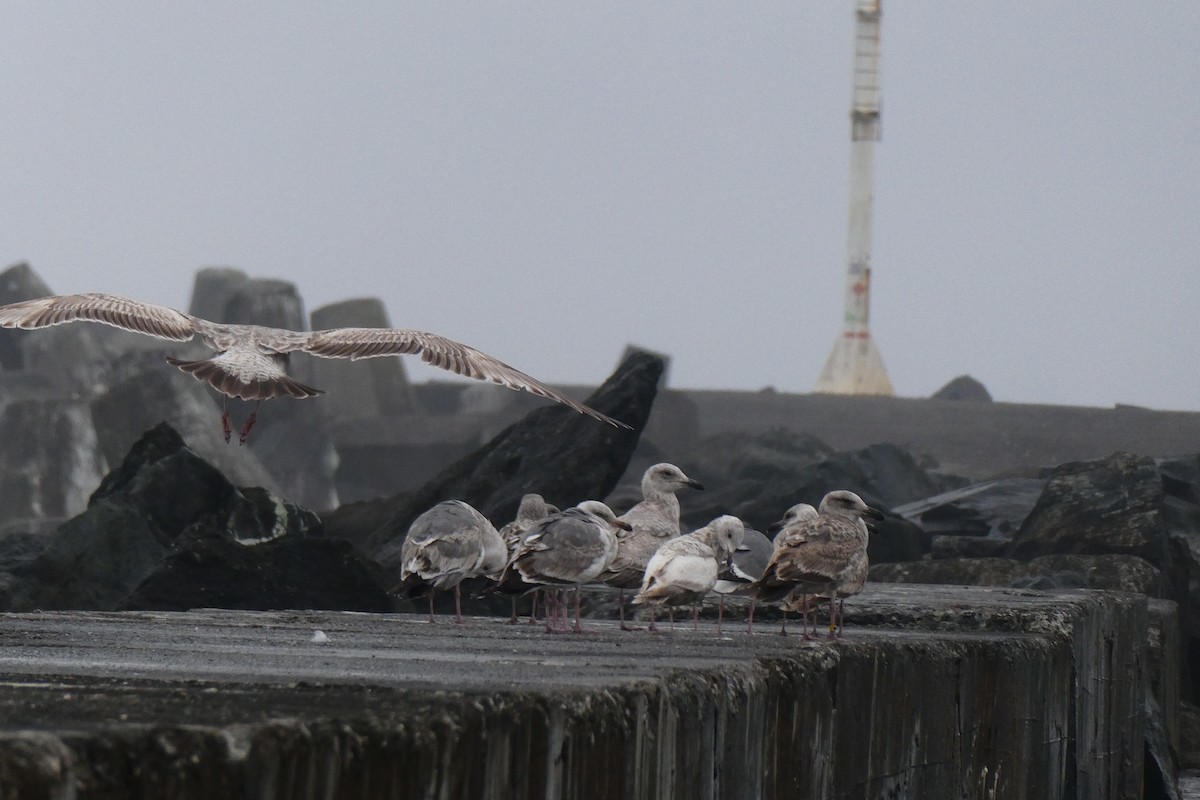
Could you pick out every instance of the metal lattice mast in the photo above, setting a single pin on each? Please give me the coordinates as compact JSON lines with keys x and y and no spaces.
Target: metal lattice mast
{"x":855,"y":366}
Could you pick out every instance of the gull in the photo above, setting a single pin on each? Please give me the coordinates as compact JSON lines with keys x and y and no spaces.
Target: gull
{"x":686,"y":567}
{"x":446,"y":545}
{"x":251,"y":360}
{"x":532,"y":508}
{"x":820,"y":556}
{"x":654,"y":521}
{"x":568,"y":549}
{"x":745,"y":566}
{"x":788,"y":531}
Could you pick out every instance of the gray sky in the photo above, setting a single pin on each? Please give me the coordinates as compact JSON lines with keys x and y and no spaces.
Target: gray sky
{"x":549,"y":181}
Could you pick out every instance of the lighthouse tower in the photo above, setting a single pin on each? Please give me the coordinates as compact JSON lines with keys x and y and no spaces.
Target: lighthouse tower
{"x":855,"y":366}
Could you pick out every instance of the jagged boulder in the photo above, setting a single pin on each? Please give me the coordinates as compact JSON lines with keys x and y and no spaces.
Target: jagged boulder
{"x":210,"y":570}
{"x":140,"y":513}
{"x":565,"y":456}
{"x":993,"y":508}
{"x":1116,"y":572}
{"x":884,"y":475}
{"x":92,"y":561}
{"x":1112,"y":505}
{"x":17,"y":549}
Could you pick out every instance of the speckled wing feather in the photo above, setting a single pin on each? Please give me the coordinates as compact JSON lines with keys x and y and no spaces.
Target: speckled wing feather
{"x":566,"y":548}
{"x":461,"y":359}
{"x":107,"y":309}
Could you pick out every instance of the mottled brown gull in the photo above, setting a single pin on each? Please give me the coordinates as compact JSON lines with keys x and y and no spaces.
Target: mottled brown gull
{"x":533,"y":507}
{"x":654,"y":521}
{"x":685,"y":569}
{"x":446,"y":545}
{"x":818,"y":556}
{"x":251,"y":360}
{"x":569,"y":549}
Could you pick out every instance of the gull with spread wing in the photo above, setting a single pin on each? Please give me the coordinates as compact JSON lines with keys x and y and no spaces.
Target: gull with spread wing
{"x":251,"y":360}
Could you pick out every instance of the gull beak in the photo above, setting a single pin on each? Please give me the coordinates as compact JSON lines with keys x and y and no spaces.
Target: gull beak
{"x":622,"y":524}
{"x":694,"y":484}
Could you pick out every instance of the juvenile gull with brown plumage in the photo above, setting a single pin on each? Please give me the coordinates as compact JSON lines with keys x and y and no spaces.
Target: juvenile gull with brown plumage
{"x":654,"y":521}
{"x":817,"y":556}
{"x":685,"y":569}
{"x":446,"y":545}
{"x":533,"y":507}
{"x":251,"y":360}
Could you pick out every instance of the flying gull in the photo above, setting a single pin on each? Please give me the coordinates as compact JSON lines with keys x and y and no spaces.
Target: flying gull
{"x":251,"y":360}
{"x":446,"y":545}
{"x":686,"y":567}
{"x":569,"y":549}
{"x":818,"y":556}
{"x":654,"y":521}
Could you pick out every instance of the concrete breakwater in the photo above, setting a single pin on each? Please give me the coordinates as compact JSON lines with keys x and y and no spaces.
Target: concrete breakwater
{"x":934,"y":692}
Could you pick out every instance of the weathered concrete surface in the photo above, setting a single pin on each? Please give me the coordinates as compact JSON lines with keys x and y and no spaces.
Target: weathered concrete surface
{"x":957,"y":693}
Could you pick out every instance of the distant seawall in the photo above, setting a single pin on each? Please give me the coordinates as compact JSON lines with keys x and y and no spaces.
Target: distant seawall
{"x":949,"y":692}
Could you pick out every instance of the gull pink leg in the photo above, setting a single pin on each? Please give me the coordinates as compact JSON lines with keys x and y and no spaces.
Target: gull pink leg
{"x":250,"y":420}
{"x":226,"y":422}
{"x":625,"y":626}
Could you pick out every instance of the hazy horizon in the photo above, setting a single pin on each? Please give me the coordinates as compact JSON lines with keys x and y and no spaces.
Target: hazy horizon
{"x":551,"y":182}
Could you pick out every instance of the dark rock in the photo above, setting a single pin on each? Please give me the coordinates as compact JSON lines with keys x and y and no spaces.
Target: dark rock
{"x":966,"y":388}
{"x":772,"y":454}
{"x":967,"y":547}
{"x":960,"y":571}
{"x":1189,"y":735}
{"x":160,"y":491}
{"x":993,"y":508}
{"x":52,"y":460}
{"x":1160,"y":765}
{"x":1113,"y":505}
{"x":1120,"y":573}
{"x":265,"y":301}
{"x":896,"y":539}
{"x":1163,"y":663}
{"x":210,"y":570}
{"x":16,"y":551}
{"x":166,"y":482}
{"x":1181,"y":565}
{"x":883,"y":475}
{"x":92,"y":561}
{"x":563,"y":455}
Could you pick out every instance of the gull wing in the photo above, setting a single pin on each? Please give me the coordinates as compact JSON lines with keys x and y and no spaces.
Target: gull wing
{"x":107,"y":309}
{"x":447,"y":354}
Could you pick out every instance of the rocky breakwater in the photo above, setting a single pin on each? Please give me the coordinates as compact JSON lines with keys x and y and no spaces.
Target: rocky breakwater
{"x":949,"y":693}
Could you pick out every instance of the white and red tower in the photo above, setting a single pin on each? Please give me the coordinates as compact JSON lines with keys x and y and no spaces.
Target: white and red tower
{"x":855,"y":366}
